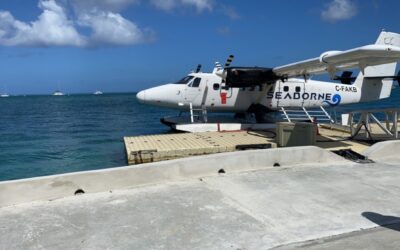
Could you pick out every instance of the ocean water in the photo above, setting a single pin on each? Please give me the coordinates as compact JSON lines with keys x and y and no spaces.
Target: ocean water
{"x":44,"y":135}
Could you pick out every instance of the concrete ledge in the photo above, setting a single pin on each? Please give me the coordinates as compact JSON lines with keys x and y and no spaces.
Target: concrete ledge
{"x":59,"y":186}
{"x":385,"y":152}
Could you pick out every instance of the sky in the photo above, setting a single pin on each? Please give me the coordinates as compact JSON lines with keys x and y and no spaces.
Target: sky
{"x":79,"y":46}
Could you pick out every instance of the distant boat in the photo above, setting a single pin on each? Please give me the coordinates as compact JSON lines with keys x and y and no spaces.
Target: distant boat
{"x":98,"y":92}
{"x":58,"y":93}
{"x":4,"y":95}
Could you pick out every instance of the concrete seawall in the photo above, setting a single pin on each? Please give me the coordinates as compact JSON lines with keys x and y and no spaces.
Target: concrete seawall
{"x":384,"y":152}
{"x":59,"y":186}
{"x":314,"y":200}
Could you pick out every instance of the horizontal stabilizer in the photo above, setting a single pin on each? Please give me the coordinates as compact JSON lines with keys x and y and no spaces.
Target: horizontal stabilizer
{"x":396,"y":78}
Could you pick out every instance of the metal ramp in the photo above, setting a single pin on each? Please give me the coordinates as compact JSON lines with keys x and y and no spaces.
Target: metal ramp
{"x":302,"y":114}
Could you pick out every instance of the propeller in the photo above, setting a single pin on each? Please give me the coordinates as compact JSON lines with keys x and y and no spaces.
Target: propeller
{"x":229,"y":61}
{"x":198,"y":68}
{"x":222,"y":72}
{"x":345,"y":78}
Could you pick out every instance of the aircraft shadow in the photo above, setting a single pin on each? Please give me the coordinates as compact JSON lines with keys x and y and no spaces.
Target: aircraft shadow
{"x":387,"y":221}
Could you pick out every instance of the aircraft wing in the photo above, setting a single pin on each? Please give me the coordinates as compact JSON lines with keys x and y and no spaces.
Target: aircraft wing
{"x":332,"y":61}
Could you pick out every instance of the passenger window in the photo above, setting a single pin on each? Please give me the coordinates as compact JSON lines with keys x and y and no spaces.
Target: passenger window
{"x":216,"y":86}
{"x":286,"y":88}
{"x":298,"y":89}
{"x":196,"y":82}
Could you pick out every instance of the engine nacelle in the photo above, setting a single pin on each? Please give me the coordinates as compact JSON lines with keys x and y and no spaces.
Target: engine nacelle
{"x":327,"y":54}
{"x":240,"y":77}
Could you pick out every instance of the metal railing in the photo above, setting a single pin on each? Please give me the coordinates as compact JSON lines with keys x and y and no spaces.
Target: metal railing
{"x":302,"y":114}
{"x":389,"y":123}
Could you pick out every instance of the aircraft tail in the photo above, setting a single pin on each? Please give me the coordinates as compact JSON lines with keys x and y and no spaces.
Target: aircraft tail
{"x":375,"y":88}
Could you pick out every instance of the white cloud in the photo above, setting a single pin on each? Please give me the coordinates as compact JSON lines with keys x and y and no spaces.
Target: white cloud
{"x":53,"y":28}
{"x":90,"y":23}
{"x":339,"y":10}
{"x":168,"y":5}
{"x":111,"y":28}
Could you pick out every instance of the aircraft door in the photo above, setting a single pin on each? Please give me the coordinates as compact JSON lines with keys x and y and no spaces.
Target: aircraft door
{"x":303,"y":96}
{"x":193,"y":91}
{"x":292,"y":94}
{"x":277,"y":91}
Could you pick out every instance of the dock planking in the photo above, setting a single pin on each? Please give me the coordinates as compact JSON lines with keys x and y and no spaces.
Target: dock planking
{"x":152,"y":148}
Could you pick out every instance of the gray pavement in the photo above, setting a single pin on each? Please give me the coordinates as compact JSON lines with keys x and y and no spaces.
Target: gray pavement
{"x":376,"y":238}
{"x":284,"y":207}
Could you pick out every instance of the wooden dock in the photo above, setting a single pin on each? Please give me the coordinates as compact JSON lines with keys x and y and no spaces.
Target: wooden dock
{"x":152,"y":148}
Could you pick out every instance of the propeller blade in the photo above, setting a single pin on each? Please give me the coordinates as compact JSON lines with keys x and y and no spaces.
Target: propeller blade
{"x":229,"y":61}
{"x":198,"y":68}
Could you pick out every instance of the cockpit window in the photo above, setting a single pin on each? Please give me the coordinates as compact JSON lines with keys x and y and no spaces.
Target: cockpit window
{"x":196,"y":82}
{"x":185,"y":80}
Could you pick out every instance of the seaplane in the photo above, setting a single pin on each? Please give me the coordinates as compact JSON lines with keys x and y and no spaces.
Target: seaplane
{"x":258,"y":91}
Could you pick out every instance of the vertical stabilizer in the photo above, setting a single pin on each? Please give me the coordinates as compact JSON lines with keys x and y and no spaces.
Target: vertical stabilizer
{"x":374,"y":89}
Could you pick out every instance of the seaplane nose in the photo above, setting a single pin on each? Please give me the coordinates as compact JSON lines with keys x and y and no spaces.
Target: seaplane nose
{"x":141,"y":96}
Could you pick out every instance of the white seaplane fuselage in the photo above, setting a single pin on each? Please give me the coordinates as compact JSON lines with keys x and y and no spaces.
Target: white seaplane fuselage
{"x":290,"y":93}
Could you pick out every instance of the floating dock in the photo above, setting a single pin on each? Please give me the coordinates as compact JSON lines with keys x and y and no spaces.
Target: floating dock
{"x":152,"y":148}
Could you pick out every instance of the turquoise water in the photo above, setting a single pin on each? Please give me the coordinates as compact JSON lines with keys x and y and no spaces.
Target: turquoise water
{"x":43,"y":135}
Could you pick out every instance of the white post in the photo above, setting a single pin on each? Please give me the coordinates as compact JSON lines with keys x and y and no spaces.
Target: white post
{"x":204,"y":111}
{"x":367,"y":127}
{"x":191,"y":113}
{"x":351,"y":121}
{"x":396,"y":129}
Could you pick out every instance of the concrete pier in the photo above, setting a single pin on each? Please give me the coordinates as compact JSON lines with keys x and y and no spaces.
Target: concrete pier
{"x":311,"y":199}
